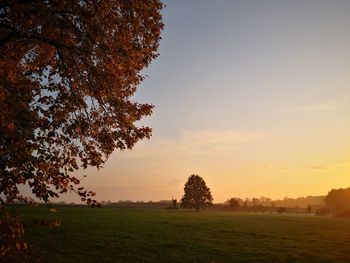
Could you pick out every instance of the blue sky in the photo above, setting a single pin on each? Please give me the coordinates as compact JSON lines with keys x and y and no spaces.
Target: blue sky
{"x":228,"y":64}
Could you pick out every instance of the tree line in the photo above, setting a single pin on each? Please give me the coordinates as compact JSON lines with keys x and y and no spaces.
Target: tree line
{"x":198,"y":196}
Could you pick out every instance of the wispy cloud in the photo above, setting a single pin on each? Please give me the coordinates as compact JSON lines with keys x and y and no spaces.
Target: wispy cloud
{"x":329,"y":166}
{"x":316,"y":167}
{"x":330,"y":106}
{"x":346,"y":164}
{"x":219,"y":137}
{"x":199,"y":143}
{"x":215,"y":142}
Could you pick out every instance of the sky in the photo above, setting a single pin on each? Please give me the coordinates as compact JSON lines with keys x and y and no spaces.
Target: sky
{"x":253,"y":96}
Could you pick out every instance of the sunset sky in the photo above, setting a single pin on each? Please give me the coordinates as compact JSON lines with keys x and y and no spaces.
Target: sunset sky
{"x":253,"y":96}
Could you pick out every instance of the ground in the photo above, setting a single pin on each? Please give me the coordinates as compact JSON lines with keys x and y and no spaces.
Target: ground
{"x":164,"y":235}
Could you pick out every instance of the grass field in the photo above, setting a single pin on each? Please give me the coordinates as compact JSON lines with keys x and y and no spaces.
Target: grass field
{"x":160,"y":235}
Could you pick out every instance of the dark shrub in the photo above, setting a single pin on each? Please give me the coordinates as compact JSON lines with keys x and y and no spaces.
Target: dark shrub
{"x":281,"y":210}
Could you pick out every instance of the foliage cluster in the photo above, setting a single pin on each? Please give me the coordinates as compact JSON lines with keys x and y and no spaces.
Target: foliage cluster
{"x":197,"y":195}
{"x":338,"y":199}
{"x":68,"y":71}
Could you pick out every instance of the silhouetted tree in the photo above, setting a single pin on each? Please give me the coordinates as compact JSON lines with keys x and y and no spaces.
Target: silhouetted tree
{"x":174,"y":201}
{"x":246,"y":202}
{"x":255,"y":201}
{"x":197,"y":194}
{"x":68,"y":71}
{"x":233,"y":203}
{"x":308,"y":209}
{"x":338,"y":199}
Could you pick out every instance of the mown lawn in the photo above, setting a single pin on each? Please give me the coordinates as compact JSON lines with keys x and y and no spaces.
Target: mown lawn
{"x":160,"y":235}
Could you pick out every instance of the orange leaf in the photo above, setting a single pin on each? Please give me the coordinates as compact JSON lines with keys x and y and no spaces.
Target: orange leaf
{"x":18,"y":246}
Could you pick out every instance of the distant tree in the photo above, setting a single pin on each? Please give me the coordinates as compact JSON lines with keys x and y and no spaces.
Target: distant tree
{"x":309,"y":209}
{"x":267,"y":201}
{"x":255,"y":201}
{"x":246,"y":202}
{"x":174,"y":201}
{"x":233,"y":203}
{"x":262,"y":199}
{"x":240,"y":201}
{"x":197,"y":195}
{"x":338,"y":199}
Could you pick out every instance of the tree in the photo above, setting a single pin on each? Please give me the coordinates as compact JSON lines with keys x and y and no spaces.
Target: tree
{"x":174,"y":201}
{"x":68,"y":71}
{"x":233,"y":203}
{"x":255,"y":201}
{"x":338,"y":199}
{"x":309,"y":209}
{"x":197,"y":194}
{"x":246,"y":202}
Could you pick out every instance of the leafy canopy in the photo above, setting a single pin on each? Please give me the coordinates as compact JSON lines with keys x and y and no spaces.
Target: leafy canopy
{"x":338,"y":199}
{"x":68,"y":71}
{"x":197,"y":195}
{"x":233,"y":203}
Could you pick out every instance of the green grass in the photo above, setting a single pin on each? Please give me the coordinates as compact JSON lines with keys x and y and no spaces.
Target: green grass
{"x":160,"y":235}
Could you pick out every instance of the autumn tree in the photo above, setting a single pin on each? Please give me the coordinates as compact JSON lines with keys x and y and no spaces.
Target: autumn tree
{"x":68,"y":73}
{"x":197,"y":195}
